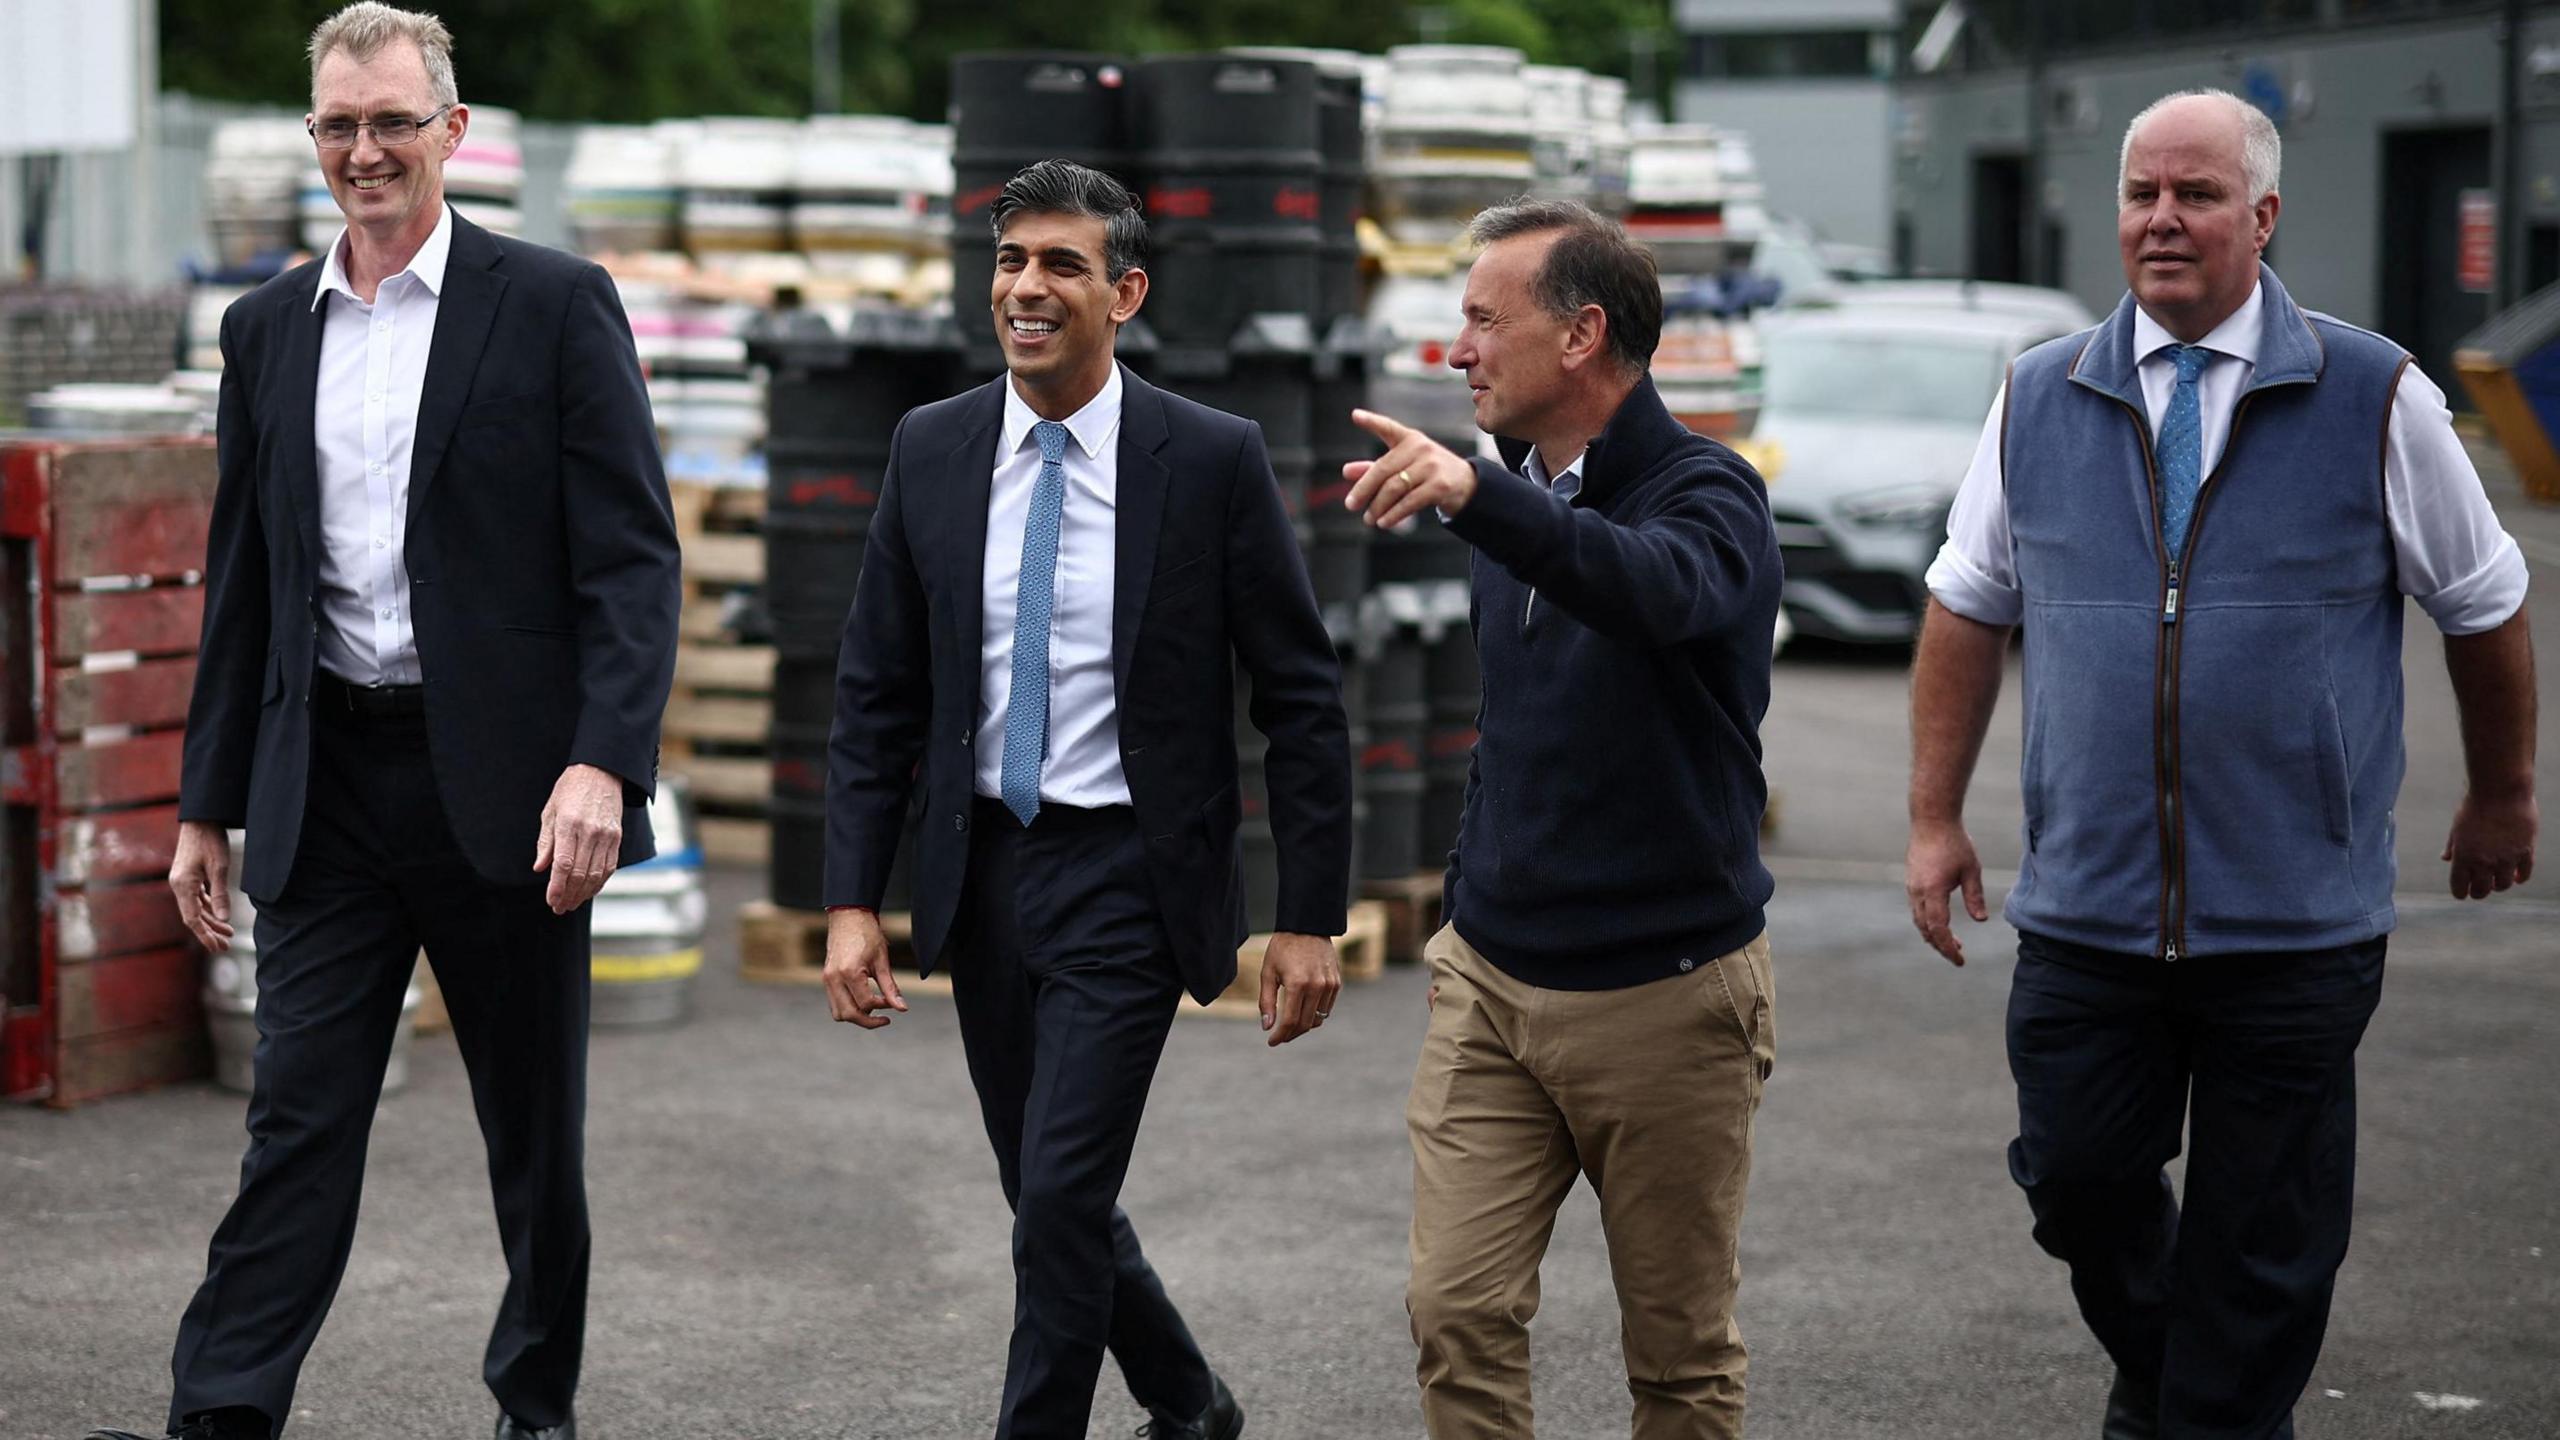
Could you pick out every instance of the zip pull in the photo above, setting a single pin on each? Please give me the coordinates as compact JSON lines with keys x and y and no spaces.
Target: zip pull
{"x":2169,"y":607}
{"x":2169,"y":954}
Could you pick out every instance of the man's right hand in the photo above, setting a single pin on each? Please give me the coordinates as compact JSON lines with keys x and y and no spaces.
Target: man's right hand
{"x":201,"y":878}
{"x":859,"y":983}
{"x":1941,"y":859}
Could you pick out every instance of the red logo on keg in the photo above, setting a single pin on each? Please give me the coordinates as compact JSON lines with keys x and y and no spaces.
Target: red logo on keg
{"x":1191,"y":203}
{"x":1453,"y":742}
{"x":832,"y":490}
{"x":973,"y":202}
{"x":1296,"y":204}
{"x":1329,"y":493}
{"x":1389,"y":755}
{"x":798,"y":777}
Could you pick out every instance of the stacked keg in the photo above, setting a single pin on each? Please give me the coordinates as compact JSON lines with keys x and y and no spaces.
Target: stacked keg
{"x":484,"y":178}
{"x":855,"y":182}
{"x":836,"y":393}
{"x":623,"y":196}
{"x":1009,"y":109}
{"x":1455,"y":136}
{"x":252,"y":179}
{"x":647,"y":923}
{"x":736,"y":173}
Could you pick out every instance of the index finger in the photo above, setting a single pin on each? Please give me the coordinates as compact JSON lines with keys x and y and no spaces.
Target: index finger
{"x":1385,"y":427}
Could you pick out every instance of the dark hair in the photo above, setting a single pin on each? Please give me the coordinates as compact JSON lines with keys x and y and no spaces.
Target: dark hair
{"x":1593,"y":263}
{"x":1062,"y":187}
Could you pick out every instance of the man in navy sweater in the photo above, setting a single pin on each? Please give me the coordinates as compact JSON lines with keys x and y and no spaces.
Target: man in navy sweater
{"x":1601,"y":1000}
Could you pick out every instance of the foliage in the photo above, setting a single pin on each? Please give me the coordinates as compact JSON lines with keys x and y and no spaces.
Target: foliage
{"x":637,"y":60}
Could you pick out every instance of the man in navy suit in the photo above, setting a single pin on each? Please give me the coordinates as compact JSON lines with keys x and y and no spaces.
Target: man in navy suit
{"x":440,"y":620}
{"x":1065,"y":565}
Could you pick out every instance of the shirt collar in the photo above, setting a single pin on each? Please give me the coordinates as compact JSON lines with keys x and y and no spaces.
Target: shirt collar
{"x":1091,"y":427}
{"x":1538,"y":468}
{"x":2237,"y":336}
{"x":427,"y":265}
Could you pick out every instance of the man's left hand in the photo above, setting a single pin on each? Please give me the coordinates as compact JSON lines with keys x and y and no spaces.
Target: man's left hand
{"x":581,"y":838}
{"x":2491,"y":847}
{"x":1416,"y":474}
{"x":1300,"y":980}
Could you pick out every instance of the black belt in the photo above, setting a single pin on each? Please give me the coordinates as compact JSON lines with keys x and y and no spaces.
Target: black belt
{"x":1052,"y":816}
{"x":332,"y":694}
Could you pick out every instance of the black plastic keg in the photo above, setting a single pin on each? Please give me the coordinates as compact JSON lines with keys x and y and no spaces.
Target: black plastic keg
{"x":833,"y":402}
{"x":804,"y":712}
{"x":1338,"y":543}
{"x":1398,"y":708}
{"x":1008,"y":110}
{"x":1265,"y":373}
{"x":1456,"y":689}
{"x":1345,"y":172}
{"x":1234,"y":206}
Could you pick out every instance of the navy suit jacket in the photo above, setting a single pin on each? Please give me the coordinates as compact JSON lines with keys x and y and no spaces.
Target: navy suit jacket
{"x":1208,"y":574}
{"x":542,"y":558}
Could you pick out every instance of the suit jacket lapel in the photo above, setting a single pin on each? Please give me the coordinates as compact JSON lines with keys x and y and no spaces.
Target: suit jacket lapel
{"x":296,"y":440}
{"x":968,"y":478}
{"x":464,"y":311}
{"x":1143,"y":484}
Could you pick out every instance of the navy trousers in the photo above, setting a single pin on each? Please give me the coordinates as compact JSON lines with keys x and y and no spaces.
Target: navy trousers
{"x":1066,"y":988}
{"x":2219,"y":1305}
{"x":378,"y":874}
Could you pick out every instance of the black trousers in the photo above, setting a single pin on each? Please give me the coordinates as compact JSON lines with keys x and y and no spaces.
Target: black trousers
{"x":1066,"y":989}
{"x":2220,"y":1305}
{"x":378,"y":874}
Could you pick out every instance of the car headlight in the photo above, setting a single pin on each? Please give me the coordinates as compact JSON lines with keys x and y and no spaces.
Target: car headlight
{"x":1917,"y":508}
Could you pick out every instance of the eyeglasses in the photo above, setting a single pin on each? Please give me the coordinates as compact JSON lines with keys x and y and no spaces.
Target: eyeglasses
{"x":388,"y":131}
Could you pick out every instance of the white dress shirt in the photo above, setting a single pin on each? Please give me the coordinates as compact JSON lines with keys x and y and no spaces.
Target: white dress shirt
{"x":2454,"y":559}
{"x":1083,"y":766}
{"x":373,"y":364}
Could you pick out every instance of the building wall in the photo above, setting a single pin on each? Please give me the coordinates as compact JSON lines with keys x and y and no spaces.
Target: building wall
{"x":1824,"y":147}
{"x":2359,"y":85}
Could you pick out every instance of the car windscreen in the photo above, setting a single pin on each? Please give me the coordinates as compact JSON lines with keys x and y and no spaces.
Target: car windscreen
{"x":1881,"y":376}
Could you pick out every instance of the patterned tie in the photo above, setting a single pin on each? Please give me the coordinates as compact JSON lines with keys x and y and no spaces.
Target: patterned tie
{"x":1026,"y":715}
{"x":2181,"y":450}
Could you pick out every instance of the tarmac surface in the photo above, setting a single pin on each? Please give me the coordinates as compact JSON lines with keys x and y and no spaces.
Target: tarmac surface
{"x":799,"y":1237}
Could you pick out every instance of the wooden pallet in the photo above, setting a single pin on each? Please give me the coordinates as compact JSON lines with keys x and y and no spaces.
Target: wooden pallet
{"x":1413,"y":911}
{"x":1361,"y":949}
{"x":718,"y":719}
{"x":101,"y":545}
{"x":782,"y":946}
{"x":789,"y":947}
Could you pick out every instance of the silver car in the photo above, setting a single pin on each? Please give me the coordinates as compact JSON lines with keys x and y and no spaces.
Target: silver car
{"x":1873,"y":413}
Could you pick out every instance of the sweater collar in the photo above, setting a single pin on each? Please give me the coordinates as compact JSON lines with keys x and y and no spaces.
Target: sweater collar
{"x":1640,"y":433}
{"x":2289,"y":351}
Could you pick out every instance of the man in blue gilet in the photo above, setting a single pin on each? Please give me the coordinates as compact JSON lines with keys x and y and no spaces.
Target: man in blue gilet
{"x":2206,"y":512}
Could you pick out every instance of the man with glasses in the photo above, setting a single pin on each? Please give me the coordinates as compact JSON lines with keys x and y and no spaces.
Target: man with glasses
{"x":440,"y":619}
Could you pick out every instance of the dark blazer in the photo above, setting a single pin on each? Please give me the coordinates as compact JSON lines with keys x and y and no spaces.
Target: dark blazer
{"x":541,"y":552}
{"x":1208,"y":568}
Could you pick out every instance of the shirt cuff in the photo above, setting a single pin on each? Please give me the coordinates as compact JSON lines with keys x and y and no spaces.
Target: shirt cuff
{"x":1960,"y":585}
{"x":2484,"y":599}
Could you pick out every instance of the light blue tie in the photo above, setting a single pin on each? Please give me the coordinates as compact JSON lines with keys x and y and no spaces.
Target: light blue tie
{"x":1026,"y":713}
{"x":2181,"y":450}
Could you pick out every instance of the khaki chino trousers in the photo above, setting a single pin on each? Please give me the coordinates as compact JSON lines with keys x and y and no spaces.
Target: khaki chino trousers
{"x":1650,"y":1092}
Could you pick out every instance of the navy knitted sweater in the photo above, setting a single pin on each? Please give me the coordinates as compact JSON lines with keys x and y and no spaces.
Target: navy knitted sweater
{"x":1612,"y":825}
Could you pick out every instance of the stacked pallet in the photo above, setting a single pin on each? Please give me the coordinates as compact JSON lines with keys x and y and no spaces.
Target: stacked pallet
{"x":100,"y":608}
{"x":721,"y":714}
{"x":67,"y":334}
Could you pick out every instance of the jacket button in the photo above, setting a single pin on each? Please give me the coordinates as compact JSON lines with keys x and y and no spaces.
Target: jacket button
{"x":1687,"y":964}
{"x":964,"y":737}
{"x":960,"y":823}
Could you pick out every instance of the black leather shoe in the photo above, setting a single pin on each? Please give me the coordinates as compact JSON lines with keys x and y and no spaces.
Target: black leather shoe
{"x":1223,"y":1420}
{"x":2133,"y":1411}
{"x":237,"y":1424}
{"x":511,"y":1428}
{"x":199,"y":1427}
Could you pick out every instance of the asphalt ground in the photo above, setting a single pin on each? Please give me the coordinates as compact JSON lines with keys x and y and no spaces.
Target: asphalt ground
{"x":798,"y":1232}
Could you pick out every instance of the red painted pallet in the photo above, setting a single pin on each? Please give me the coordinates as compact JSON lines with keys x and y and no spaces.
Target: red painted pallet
{"x":101,"y":544}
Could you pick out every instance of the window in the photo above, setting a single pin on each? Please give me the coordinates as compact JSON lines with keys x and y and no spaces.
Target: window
{"x":1790,"y":55}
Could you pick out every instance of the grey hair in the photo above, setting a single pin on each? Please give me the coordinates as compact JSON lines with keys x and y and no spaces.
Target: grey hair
{"x":1062,"y":187}
{"x":2261,"y":149}
{"x":1593,"y":262}
{"x":362,"y":29}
